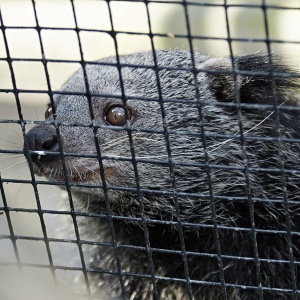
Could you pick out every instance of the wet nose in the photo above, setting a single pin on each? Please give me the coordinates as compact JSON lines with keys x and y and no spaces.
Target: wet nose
{"x":41,"y":139}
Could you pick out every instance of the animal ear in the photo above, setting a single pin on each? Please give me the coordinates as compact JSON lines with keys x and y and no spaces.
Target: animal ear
{"x":221,"y":78}
{"x":255,"y":79}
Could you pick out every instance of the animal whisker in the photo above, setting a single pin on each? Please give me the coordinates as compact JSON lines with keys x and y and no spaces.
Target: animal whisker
{"x":12,"y":143}
{"x":122,"y":139}
{"x":247,"y":131}
{"x":16,"y":164}
{"x":88,"y":204}
{"x":10,"y":157}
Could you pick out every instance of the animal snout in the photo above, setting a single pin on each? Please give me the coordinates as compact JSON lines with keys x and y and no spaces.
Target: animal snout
{"x":42,"y":144}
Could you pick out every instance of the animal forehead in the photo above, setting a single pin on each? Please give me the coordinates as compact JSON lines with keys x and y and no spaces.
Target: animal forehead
{"x":70,"y":102}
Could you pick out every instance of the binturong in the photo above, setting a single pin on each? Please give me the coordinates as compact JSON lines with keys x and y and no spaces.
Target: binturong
{"x":188,"y":169}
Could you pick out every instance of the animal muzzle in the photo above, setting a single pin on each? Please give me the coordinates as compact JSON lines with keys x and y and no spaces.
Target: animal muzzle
{"x":42,"y":145}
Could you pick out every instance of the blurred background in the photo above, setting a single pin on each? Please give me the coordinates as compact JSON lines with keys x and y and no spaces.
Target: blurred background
{"x":207,"y":23}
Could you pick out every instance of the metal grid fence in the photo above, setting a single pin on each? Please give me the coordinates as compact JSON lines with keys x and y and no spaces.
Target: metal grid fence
{"x":188,"y":282}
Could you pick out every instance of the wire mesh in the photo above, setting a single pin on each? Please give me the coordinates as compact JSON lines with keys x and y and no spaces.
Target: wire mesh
{"x":194,"y":195}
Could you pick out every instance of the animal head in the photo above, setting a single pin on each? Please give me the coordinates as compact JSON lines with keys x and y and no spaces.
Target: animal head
{"x":165,"y":123}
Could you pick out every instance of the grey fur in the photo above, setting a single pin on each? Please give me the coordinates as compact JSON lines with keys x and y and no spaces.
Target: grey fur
{"x":195,"y":162}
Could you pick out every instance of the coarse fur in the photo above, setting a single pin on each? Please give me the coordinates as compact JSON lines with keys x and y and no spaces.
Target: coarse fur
{"x":199,"y":190}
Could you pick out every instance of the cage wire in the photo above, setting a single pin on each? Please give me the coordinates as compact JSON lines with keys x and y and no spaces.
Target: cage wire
{"x":190,"y":284}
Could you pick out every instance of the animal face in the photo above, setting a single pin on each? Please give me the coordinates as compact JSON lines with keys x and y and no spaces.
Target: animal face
{"x":155,"y":129}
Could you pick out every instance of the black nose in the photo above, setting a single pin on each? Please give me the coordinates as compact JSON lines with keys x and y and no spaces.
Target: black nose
{"x":41,"y":139}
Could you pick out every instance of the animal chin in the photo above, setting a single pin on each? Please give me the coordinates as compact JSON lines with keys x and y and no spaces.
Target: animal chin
{"x":92,"y":176}
{"x":76,"y":175}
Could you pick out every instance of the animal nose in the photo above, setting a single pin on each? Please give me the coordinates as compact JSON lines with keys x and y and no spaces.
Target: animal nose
{"x":41,"y":139}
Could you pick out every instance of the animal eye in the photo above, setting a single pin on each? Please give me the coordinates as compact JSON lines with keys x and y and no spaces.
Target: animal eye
{"x":48,"y":112}
{"x":115,"y":115}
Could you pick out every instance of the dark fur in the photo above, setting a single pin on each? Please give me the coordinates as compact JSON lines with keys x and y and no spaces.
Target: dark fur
{"x":225,"y":187}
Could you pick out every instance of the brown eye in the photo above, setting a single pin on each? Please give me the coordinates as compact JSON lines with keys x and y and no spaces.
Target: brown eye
{"x":116,"y":115}
{"x":48,"y":112}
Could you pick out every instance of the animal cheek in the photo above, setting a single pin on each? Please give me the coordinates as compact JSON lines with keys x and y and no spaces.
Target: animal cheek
{"x":110,"y":172}
{"x":78,"y":139}
{"x":113,"y":142}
